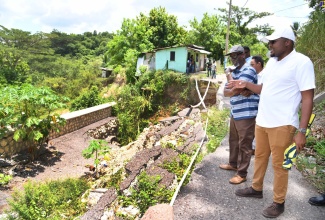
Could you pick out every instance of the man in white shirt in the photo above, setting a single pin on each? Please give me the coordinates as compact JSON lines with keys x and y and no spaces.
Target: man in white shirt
{"x":257,"y":63}
{"x":288,"y":80}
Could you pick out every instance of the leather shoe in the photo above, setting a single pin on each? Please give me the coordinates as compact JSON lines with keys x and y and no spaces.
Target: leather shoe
{"x":319,"y":200}
{"x":237,"y":179}
{"x":227,"y":167}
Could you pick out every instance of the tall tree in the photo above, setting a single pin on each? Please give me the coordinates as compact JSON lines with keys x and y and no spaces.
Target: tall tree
{"x":241,"y":18}
{"x":134,"y":34}
{"x":16,"y":46}
{"x":316,"y":4}
{"x":209,"y":33}
{"x":165,"y":29}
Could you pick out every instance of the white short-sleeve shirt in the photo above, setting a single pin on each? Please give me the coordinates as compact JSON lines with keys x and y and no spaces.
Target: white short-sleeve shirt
{"x":259,"y":77}
{"x":283,"y":82}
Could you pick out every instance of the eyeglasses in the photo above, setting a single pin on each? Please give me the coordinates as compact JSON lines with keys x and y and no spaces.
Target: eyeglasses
{"x":273,"y":41}
{"x":235,"y":56}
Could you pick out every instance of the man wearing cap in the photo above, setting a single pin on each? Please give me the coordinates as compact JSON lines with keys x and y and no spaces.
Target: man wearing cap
{"x":244,"y":105}
{"x":288,"y":80}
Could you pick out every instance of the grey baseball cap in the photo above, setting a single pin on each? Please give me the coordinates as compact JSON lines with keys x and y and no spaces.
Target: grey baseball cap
{"x":235,"y":49}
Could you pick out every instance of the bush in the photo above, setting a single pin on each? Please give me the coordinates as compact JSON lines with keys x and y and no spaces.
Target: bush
{"x":311,"y":43}
{"x":52,"y":200}
{"x":137,"y":103}
{"x":29,"y":111}
{"x":130,"y":108}
{"x":217,"y":128}
{"x":4,"y":179}
{"x":88,"y":99}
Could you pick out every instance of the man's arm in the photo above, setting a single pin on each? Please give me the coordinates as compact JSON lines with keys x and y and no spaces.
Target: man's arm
{"x":229,"y":92}
{"x":306,"y":110}
{"x":255,"y":88}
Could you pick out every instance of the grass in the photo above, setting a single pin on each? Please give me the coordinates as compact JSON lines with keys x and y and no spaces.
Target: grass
{"x":217,"y":127}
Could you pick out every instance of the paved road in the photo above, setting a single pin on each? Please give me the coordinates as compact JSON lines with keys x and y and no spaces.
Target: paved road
{"x":209,"y":196}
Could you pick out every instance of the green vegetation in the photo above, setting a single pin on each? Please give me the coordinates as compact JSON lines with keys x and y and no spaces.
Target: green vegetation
{"x":53,"y":200}
{"x":178,"y":167}
{"x":88,"y":99}
{"x":147,"y":192}
{"x":29,"y":111}
{"x":4,"y":179}
{"x":95,"y":149}
{"x":139,"y":102}
{"x":113,"y":180}
{"x":310,"y":42}
{"x":217,"y":127}
{"x":311,"y":161}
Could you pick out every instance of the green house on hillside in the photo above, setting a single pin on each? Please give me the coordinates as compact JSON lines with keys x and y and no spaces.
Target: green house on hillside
{"x":175,"y":58}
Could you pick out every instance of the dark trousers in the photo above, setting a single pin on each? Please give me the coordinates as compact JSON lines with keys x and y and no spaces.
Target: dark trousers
{"x":241,"y":136}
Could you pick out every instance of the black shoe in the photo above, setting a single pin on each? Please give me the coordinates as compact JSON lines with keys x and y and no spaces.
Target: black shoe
{"x":319,"y":200}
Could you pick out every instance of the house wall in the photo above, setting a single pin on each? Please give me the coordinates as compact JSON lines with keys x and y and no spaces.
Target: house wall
{"x":179,"y":65}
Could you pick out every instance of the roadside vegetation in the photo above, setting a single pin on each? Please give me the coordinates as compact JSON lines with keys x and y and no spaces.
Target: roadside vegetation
{"x":59,"y":199}
{"x":311,"y":162}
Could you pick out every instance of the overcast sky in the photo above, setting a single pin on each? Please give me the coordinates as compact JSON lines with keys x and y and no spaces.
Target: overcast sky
{"x":79,"y":16}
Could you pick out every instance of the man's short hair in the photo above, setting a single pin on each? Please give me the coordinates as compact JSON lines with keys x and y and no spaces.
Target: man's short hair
{"x":259,"y":59}
{"x":246,"y":48}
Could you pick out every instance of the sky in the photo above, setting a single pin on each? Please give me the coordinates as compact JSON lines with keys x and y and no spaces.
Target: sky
{"x":79,"y":16}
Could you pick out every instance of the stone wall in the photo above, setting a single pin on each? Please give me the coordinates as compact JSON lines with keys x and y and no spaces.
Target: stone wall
{"x":75,"y":120}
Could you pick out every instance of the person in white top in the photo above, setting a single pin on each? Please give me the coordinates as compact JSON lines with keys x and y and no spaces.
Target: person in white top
{"x":257,"y":63}
{"x":288,"y":81}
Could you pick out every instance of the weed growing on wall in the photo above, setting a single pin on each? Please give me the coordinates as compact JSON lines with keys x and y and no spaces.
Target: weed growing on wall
{"x":147,"y":192}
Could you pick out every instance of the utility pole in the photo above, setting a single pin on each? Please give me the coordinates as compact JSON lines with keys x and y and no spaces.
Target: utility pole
{"x":227,"y":35}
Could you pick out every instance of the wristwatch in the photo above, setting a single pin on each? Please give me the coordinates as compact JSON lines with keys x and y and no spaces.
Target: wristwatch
{"x":302,"y":130}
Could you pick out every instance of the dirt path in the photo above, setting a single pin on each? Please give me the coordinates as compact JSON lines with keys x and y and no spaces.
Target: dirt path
{"x":62,"y":159}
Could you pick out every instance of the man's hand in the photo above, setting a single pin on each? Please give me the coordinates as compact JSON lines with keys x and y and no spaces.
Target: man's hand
{"x":300,"y":141}
{"x":237,"y":83}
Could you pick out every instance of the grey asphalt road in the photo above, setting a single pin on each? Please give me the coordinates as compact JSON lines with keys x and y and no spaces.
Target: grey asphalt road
{"x":210,"y":196}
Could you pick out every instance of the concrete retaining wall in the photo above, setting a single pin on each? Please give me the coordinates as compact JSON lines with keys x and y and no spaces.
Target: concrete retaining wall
{"x":75,"y":120}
